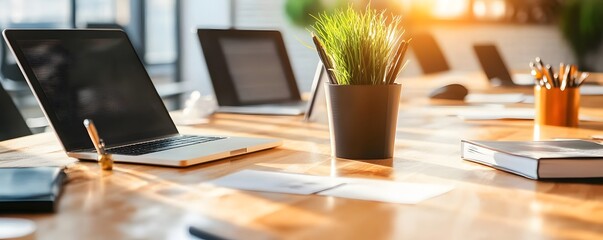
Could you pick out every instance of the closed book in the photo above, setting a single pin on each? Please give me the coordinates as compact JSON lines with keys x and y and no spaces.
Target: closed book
{"x":538,"y":159}
{"x":33,"y":189}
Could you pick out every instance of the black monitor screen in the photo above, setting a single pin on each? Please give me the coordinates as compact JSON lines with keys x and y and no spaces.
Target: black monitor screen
{"x":100,"y":78}
{"x":256,"y":80}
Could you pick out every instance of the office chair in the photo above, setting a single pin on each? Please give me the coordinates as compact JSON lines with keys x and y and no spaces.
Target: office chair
{"x":428,"y":53}
{"x":12,"y":124}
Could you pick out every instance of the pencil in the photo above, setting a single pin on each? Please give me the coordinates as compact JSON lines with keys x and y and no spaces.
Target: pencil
{"x":396,"y":65}
{"x":325,"y":59}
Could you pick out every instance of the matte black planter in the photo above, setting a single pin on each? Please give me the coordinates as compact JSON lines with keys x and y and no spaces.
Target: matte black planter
{"x":362,"y":120}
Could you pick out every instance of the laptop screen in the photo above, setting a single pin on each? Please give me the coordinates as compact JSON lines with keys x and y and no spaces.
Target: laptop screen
{"x":493,"y":65}
{"x":248,"y":67}
{"x":255,"y":81}
{"x":96,"y":75}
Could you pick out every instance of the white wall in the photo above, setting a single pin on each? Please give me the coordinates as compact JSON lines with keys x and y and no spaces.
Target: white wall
{"x":195,"y":14}
{"x":518,"y":44}
{"x":250,"y":14}
{"x":270,"y":14}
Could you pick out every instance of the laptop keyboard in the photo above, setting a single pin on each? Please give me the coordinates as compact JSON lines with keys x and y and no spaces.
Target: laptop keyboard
{"x":161,"y":145}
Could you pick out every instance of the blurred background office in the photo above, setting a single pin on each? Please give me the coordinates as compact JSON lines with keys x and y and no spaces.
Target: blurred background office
{"x":163,"y":33}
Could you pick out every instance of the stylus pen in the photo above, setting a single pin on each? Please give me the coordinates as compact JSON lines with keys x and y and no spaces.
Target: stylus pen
{"x":93,"y":133}
{"x":326,"y":61}
{"x":105,"y":160}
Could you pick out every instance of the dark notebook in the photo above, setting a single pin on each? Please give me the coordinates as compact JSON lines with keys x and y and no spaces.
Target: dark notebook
{"x":24,"y":190}
{"x":539,"y":159}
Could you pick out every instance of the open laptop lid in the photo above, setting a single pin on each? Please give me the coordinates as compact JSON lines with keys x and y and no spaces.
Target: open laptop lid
{"x":493,"y":65}
{"x":248,"y":67}
{"x":79,"y":74}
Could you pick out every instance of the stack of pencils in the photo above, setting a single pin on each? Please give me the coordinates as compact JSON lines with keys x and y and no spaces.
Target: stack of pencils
{"x":567,"y":77}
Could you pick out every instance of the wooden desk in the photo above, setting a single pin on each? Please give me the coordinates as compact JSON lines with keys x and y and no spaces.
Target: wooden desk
{"x":147,"y":202}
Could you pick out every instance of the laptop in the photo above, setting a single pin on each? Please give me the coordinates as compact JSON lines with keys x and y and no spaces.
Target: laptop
{"x":496,"y":70}
{"x":250,"y":72}
{"x":96,"y":74}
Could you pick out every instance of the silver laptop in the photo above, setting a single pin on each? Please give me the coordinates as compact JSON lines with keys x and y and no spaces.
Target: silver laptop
{"x":96,"y":74}
{"x":250,"y":71}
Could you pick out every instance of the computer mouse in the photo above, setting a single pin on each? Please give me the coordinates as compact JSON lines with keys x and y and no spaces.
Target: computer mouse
{"x":450,"y":92}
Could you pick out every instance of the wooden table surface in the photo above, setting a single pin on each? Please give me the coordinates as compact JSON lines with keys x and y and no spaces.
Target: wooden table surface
{"x":148,"y":202}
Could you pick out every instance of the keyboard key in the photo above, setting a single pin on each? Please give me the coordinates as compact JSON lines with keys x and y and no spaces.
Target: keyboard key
{"x":161,"y":145}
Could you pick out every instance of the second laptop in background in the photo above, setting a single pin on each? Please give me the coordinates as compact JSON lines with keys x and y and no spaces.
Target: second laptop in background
{"x":496,"y":70}
{"x":250,"y":71}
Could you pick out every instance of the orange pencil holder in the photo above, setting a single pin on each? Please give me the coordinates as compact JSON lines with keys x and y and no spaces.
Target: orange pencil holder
{"x":556,"y":107}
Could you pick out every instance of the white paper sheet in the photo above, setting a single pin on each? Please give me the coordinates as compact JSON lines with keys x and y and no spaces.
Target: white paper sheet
{"x":386,"y":191}
{"x":507,"y":113}
{"x":276,"y":182}
{"x":354,"y":188}
{"x":511,"y":113}
{"x":495,"y":98}
{"x":589,"y":90}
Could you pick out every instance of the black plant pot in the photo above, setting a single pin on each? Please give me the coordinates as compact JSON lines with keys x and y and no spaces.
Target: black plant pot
{"x":362,"y":120}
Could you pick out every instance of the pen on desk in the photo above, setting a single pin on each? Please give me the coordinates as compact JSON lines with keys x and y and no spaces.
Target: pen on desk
{"x":93,"y":133}
{"x":105,"y":160}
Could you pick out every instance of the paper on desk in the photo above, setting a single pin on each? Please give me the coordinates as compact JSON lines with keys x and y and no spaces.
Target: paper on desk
{"x":277,"y":182}
{"x":586,"y":90}
{"x":495,"y":98}
{"x":354,"y":188}
{"x":507,"y":113}
{"x":511,"y":113}
{"x":386,"y":191}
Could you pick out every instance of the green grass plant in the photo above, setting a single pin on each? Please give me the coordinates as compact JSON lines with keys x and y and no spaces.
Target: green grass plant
{"x":363,"y":47}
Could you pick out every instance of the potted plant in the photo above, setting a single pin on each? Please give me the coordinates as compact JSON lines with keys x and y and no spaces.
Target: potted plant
{"x":363,"y":53}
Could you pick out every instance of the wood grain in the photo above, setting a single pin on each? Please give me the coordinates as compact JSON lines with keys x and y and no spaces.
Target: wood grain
{"x":147,"y":202}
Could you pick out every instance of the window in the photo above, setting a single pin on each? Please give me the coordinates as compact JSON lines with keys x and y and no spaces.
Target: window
{"x":96,"y":12}
{"x":35,"y":14}
{"x":160,"y":31}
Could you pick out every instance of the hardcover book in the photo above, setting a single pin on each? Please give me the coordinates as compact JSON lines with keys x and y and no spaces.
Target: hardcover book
{"x":538,"y":159}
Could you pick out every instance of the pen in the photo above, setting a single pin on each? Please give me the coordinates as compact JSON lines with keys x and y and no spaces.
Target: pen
{"x":549,"y":72}
{"x":535,"y":71}
{"x":540,"y":64}
{"x":537,"y":74}
{"x":583,"y":78}
{"x":326,"y":61}
{"x":547,"y":83}
{"x":395,"y":69}
{"x":573,"y":74}
{"x":566,"y":77}
{"x":561,"y":71}
{"x":104,"y":159}
{"x":93,"y":133}
{"x":545,"y":74}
